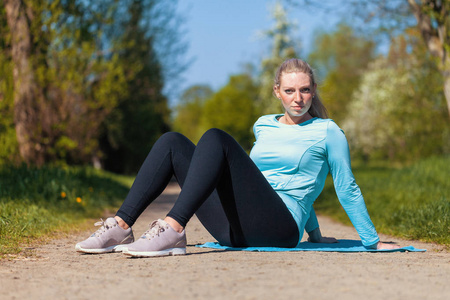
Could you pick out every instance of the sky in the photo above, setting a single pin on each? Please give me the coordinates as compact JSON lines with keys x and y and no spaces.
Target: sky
{"x":223,"y":35}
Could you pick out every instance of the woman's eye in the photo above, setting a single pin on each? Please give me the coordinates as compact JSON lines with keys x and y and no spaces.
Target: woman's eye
{"x":288,"y":91}
{"x":305,"y":90}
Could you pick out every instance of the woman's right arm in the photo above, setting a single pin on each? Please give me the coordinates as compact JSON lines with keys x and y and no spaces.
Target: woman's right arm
{"x":313,"y":230}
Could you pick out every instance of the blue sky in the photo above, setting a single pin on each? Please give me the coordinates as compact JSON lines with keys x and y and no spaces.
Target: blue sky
{"x":222,"y":35}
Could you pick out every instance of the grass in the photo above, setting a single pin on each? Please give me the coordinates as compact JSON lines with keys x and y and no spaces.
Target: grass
{"x":38,"y":203}
{"x":411,"y":202}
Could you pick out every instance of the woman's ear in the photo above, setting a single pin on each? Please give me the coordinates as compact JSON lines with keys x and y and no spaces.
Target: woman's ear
{"x":276,"y":91}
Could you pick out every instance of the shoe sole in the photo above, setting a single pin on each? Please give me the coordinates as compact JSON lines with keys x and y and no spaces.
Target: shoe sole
{"x":167,"y":252}
{"x":115,"y":248}
{"x":119,"y":248}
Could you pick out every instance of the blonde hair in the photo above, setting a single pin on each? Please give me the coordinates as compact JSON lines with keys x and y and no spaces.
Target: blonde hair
{"x":295,"y":65}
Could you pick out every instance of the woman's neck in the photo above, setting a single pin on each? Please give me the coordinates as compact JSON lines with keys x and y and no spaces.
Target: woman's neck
{"x":288,"y":120}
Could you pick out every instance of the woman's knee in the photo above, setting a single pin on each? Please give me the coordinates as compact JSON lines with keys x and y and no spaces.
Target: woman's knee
{"x":173,"y":138}
{"x":172,"y":135}
{"x":215,"y":134}
{"x":170,"y":141}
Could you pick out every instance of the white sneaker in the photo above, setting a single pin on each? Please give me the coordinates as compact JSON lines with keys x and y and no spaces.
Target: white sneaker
{"x":110,"y":237}
{"x":159,"y":240}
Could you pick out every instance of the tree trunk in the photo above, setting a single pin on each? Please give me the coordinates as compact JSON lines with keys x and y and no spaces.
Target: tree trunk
{"x":447,"y":87}
{"x":435,"y":38}
{"x":446,"y":76}
{"x":27,"y":92}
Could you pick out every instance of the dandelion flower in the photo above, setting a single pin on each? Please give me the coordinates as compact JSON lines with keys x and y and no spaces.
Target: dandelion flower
{"x":79,"y":200}
{"x":63,"y":195}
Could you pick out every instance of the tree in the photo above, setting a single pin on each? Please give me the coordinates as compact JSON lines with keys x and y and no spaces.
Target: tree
{"x":189,"y":110}
{"x":84,"y":78}
{"x":83,"y":73}
{"x":62,"y":79}
{"x":8,"y":140}
{"x":432,"y":20}
{"x":341,"y":57}
{"x":233,"y":109}
{"x":398,"y":112}
{"x":142,"y":114}
{"x":21,"y":17}
{"x":282,"y":47}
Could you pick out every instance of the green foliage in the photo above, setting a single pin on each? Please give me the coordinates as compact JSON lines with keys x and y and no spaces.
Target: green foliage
{"x":412,"y":202}
{"x":77,"y":83}
{"x":282,"y":47}
{"x":37,"y":202}
{"x":142,"y":114}
{"x":8,"y":141}
{"x":98,"y":67}
{"x":341,"y":58}
{"x":86,"y":79}
{"x":9,"y":148}
{"x":232,"y":109}
{"x":399,"y":110}
{"x":189,"y":111}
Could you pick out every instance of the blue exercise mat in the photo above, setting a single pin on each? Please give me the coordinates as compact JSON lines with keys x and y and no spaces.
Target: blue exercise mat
{"x":342,"y":246}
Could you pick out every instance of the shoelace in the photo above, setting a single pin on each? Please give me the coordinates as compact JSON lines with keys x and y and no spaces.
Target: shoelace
{"x":102,"y":229}
{"x":155,"y":229}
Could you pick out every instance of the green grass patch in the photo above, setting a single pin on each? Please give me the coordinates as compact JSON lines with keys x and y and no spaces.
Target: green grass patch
{"x":38,"y":203}
{"x":411,"y":202}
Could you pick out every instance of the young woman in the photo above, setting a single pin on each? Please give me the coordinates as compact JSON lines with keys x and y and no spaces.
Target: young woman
{"x":262,"y":200}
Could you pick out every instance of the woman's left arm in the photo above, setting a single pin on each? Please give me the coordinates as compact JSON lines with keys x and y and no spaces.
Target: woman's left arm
{"x":348,"y":192}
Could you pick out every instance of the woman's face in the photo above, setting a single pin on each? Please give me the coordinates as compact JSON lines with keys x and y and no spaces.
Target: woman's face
{"x":296,"y":94}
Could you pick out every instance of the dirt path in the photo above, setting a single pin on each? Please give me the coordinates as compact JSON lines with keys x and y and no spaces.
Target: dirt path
{"x":58,"y":272}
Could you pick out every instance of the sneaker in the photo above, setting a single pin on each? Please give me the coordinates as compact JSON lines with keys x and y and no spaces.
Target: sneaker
{"x":110,"y":237}
{"x":159,"y":240}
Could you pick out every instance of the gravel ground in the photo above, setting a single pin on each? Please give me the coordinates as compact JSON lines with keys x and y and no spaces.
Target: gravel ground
{"x":56,"y":271}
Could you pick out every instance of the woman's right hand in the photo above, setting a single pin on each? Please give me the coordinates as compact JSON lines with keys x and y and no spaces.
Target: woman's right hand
{"x":315,"y":236}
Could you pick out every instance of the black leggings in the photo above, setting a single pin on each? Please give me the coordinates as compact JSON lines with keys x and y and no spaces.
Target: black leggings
{"x":220,"y":184}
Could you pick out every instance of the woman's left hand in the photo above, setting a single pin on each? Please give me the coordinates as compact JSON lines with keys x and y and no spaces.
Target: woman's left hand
{"x":387,"y":246}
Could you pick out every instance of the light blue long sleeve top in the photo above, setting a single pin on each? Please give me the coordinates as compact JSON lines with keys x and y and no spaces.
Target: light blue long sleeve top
{"x":296,"y":159}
